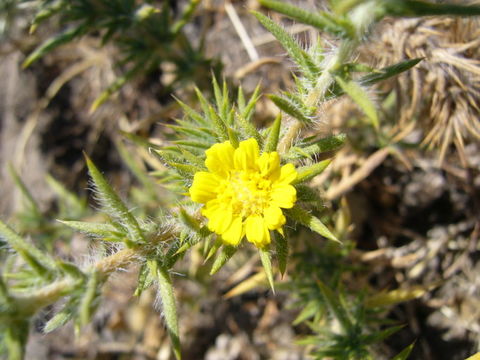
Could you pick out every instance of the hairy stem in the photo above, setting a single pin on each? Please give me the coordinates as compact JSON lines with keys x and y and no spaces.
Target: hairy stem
{"x":31,"y":302}
{"x":362,"y":16}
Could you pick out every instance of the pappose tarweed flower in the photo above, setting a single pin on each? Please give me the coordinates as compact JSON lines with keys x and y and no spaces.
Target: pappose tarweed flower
{"x":244,"y":192}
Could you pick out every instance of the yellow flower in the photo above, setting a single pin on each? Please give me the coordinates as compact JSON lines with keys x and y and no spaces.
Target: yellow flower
{"x":244,"y":192}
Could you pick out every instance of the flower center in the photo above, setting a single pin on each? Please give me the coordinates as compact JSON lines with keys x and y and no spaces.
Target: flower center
{"x":248,"y":192}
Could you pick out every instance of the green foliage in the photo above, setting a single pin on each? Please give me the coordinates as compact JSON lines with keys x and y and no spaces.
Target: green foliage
{"x":147,"y":34}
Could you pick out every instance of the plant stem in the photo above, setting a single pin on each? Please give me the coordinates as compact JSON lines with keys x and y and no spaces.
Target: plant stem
{"x":317,"y":94}
{"x":30,"y":303}
{"x":362,"y":16}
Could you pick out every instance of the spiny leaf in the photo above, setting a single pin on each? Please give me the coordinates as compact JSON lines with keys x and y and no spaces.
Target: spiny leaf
{"x":388,"y":72}
{"x":328,"y":144}
{"x":60,"y":318}
{"x":221,"y":99}
{"x":54,"y":42}
{"x":24,"y":190}
{"x":186,"y":16}
{"x":246,"y":111}
{"x":306,"y":193}
{"x":71,"y":270}
{"x":217,"y":244}
{"x":404,"y":354}
{"x":336,"y":306}
{"x":145,"y":279}
{"x":45,"y":13}
{"x":193,"y":144}
{"x":293,"y":107}
{"x":233,"y":137}
{"x":381,"y":335}
{"x":267,"y":266}
{"x":318,"y":20}
{"x":271,"y":142}
{"x":310,"y":221}
{"x":288,"y":42}
{"x":249,"y":130}
{"x":192,"y":114}
{"x":313,"y":307}
{"x":165,"y":287}
{"x":97,"y":229}
{"x":281,"y":249}
{"x":361,"y":98}
{"x":193,"y":159}
{"x":113,"y":205}
{"x":41,"y":262}
{"x":225,"y":254}
{"x":89,"y":301}
{"x":306,"y":173}
{"x":218,"y":124}
{"x":416,"y":8}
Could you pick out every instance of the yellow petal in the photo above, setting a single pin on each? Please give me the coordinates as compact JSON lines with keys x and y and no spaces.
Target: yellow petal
{"x":246,"y":155}
{"x":234,"y":233}
{"x":283,"y":196}
{"x":287,"y":174}
{"x":220,"y":158}
{"x":204,"y":187}
{"x":257,"y":231}
{"x":220,"y":218}
{"x":269,"y":164}
{"x":274,"y":218}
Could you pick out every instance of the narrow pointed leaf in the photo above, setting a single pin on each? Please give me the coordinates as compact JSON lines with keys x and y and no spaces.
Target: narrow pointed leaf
{"x":291,"y":46}
{"x":361,"y":98}
{"x":381,"y":335}
{"x":24,"y":190}
{"x":311,"y":309}
{"x":271,"y":142}
{"x":405,"y":353}
{"x":416,"y":8}
{"x":52,"y":43}
{"x":306,"y":173}
{"x":248,"y":110}
{"x":98,"y":229}
{"x":281,"y":249}
{"x":145,"y":279}
{"x":293,"y":108}
{"x":328,"y":144}
{"x":249,"y":129}
{"x":89,"y":301}
{"x":61,"y":317}
{"x":312,"y":18}
{"x":113,"y":205}
{"x":165,"y":287}
{"x":388,"y":72}
{"x":335,"y":305}
{"x":41,"y":262}
{"x":267,"y":266}
{"x":310,"y":221}
{"x":225,"y":254}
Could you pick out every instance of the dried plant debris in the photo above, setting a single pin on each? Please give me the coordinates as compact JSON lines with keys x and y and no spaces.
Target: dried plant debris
{"x":442,"y":93}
